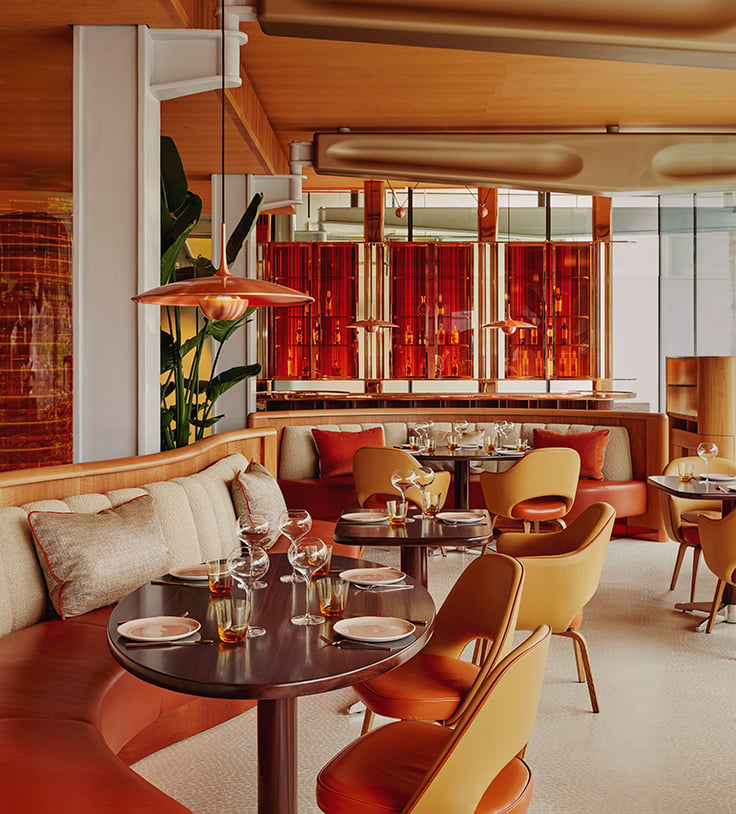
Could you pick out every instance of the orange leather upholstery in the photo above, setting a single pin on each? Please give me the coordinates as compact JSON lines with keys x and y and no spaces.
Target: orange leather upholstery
{"x":415,"y":767}
{"x":540,"y":508}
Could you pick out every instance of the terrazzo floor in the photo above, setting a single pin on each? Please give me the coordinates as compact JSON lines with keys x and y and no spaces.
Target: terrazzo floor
{"x":663,"y":741}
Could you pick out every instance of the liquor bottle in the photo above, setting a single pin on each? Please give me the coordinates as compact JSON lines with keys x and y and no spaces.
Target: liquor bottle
{"x":316,"y":335}
{"x":305,"y":367}
{"x":454,"y":366}
{"x":563,"y":333}
{"x":440,"y":306}
{"x":408,"y":368}
{"x":408,"y":335}
{"x":534,"y":336}
{"x":338,"y":334}
{"x":455,"y":336}
{"x":558,"y":302}
{"x":298,"y":335}
{"x":522,"y":337}
{"x":423,"y":370}
{"x":328,"y":302}
{"x":538,"y":367}
{"x":335,"y":369}
{"x":422,"y":338}
{"x":290,"y":364}
{"x":524,"y":363}
{"x":441,"y":334}
{"x":422,"y":310}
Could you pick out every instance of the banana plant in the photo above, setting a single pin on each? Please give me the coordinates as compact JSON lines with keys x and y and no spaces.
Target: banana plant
{"x":187,"y":394}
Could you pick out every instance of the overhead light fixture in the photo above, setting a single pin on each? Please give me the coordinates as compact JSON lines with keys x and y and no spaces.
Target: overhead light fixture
{"x":372,"y":325}
{"x":223,"y":296}
{"x":509,"y":325}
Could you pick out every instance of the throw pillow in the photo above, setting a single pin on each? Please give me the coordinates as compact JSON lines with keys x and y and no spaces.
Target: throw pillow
{"x":256,"y":491}
{"x":93,"y":560}
{"x":336,"y":449}
{"x":591,"y":446}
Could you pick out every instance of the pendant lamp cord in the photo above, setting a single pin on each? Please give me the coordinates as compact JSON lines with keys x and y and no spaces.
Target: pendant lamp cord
{"x":222,"y":116}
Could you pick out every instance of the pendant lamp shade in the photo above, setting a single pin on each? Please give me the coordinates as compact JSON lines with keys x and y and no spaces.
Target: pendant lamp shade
{"x":223,"y":296}
{"x":372,"y":325}
{"x":509,"y":325}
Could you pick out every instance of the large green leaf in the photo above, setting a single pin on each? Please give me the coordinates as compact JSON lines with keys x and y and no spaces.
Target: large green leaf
{"x":229,"y":378}
{"x":170,"y":354}
{"x":245,"y":226}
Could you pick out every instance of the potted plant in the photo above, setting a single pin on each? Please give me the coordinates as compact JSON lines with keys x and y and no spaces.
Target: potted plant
{"x":188,"y":389}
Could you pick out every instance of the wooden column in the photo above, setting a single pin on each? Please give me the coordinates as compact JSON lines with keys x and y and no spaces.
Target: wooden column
{"x":601,"y":218}
{"x":487,"y":214}
{"x":375,"y":200}
{"x":602,"y":233}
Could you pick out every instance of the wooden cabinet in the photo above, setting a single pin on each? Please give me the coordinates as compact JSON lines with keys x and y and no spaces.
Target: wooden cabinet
{"x":432,"y":304}
{"x":701,"y":403}
{"x":554,"y":287}
{"x":313,"y":341}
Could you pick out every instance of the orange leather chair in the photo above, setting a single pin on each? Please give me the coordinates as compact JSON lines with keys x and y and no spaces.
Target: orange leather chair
{"x":540,"y":486}
{"x":436,"y":684}
{"x":562,"y":570}
{"x":718,"y":540}
{"x":420,"y":768}
{"x":680,"y":516}
{"x":372,"y":468}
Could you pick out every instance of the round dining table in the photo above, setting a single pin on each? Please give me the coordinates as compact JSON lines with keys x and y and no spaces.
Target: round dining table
{"x":274,"y":669}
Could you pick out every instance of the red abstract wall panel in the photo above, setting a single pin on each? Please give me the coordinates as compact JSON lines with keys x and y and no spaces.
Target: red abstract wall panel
{"x":35,"y":341}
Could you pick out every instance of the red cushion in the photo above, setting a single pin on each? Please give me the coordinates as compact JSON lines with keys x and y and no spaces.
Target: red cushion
{"x":378,"y":773}
{"x":336,"y":449}
{"x":591,"y":446}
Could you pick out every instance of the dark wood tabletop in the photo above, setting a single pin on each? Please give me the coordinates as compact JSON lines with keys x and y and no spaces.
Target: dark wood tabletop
{"x":288,"y":661}
{"x":415,"y":537}
{"x":697,"y":488}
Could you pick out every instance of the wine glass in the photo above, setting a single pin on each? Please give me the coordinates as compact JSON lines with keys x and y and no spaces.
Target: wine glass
{"x":460,"y":426}
{"x":423,"y":477}
{"x":306,"y":556}
{"x":294,"y":524}
{"x":254,"y":530}
{"x":247,"y":566}
{"x":402,"y":480}
{"x":707,"y":451}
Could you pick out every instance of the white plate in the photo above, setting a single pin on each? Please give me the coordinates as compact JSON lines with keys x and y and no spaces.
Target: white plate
{"x":373,"y":576}
{"x":374,"y":628}
{"x":468,"y":446}
{"x":158,"y":628}
{"x":193,"y":572}
{"x":461,"y":517}
{"x":510,"y":451}
{"x":365,"y":517}
{"x":716,"y":477}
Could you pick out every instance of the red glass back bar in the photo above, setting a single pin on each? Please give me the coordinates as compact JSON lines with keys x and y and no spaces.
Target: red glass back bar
{"x":35,"y":341}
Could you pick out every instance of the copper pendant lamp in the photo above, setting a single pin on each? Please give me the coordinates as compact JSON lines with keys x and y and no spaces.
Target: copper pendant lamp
{"x":223,"y":295}
{"x":509,"y":325}
{"x":372,"y":325}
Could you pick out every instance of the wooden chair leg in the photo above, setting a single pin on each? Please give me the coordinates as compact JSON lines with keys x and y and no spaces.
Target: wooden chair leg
{"x":678,"y":565}
{"x":480,"y":651}
{"x":367,"y":721}
{"x":716,"y":606}
{"x":580,"y":641}
{"x":527,"y":526}
{"x":579,"y":661}
{"x":694,"y":577}
{"x":490,"y":536}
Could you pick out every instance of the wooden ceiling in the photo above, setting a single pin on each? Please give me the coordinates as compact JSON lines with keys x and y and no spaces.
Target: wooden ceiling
{"x":293,"y":88}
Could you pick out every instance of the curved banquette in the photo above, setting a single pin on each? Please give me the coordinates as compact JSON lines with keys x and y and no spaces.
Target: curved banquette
{"x":636,"y":447}
{"x":71,"y":719}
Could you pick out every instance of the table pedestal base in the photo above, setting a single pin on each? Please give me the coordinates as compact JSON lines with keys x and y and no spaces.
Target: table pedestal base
{"x":414,"y":562}
{"x":277,"y":756}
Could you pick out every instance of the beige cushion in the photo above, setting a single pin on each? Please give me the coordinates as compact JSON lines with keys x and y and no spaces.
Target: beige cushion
{"x":256,"y":491}
{"x":92,"y":560}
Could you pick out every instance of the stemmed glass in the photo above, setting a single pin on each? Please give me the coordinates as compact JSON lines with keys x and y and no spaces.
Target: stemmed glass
{"x":460,"y":426}
{"x":247,"y":566}
{"x":402,"y":480}
{"x":423,"y":477}
{"x":294,"y":524}
{"x":307,"y":556}
{"x":253,"y":530}
{"x":707,"y":451}
{"x":502,"y":430}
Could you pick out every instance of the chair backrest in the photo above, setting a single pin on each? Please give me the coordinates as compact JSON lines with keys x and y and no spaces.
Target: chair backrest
{"x":673,"y":508}
{"x":562,"y":569}
{"x":483,"y":604}
{"x":372,"y":468}
{"x":490,"y":734}
{"x":718,"y":541}
{"x":547,"y":472}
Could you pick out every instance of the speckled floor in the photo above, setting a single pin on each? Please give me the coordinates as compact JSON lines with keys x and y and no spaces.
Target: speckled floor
{"x":661,"y":742}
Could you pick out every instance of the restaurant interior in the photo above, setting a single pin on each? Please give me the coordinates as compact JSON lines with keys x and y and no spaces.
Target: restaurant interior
{"x":367,"y":264}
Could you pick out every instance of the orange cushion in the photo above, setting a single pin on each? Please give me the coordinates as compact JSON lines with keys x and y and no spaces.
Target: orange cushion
{"x":540,"y":508}
{"x":336,"y":449}
{"x":425,"y":688}
{"x":591,"y":446}
{"x":380,"y":771}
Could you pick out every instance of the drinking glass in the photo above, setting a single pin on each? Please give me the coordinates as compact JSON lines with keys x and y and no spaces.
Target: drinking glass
{"x":247,"y":566}
{"x":402,"y":480}
{"x":294,"y":524}
{"x":707,"y":451}
{"x":307,"y":556}
{"x":423,"y":477}
{"x":460,"y":426}
{"x":254,"y":530}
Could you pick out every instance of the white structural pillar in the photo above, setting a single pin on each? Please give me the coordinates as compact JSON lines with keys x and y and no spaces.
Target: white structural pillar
{"x":121,"y":74}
